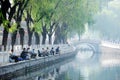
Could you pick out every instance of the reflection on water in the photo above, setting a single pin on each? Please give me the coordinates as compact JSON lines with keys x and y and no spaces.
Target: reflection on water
{"x":101,"y":66}
{"x":85,"y":55}
{"x":51,"y":75}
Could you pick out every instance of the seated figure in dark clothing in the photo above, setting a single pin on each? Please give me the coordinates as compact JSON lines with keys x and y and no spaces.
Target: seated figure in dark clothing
{"x":33,"y":54}
{"x":24,"y":54}
{"x":57,"y":50}
{"x":43,"y":52}
{"x":13,"y":57}
{"x":52,"y":51}
{"x":40,"y":54}
{"x":47,"y":52}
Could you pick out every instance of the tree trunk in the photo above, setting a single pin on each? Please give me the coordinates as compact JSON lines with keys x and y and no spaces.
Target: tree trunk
{"x":56,"y":41}
{"x":51,"y":32}
{"x":57,"y":35}
{"x":14,"y":34}
{"x":30,"y":32}
{"x":37,"y":38}
{"x":21,"y":32}
{"x":43,"y":38}
{"x":44,"y":33}
{"x":30,"y":38}
{"x":64,"y":40}
{"x":5,"y":5}
{"x":5,"y":37}
{"x":50,"y":38}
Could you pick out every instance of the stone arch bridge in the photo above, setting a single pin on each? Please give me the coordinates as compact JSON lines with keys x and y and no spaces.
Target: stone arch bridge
{"x":93,"y":44}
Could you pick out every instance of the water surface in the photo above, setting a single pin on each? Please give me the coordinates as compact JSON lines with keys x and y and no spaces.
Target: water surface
{"x":85,"y":66}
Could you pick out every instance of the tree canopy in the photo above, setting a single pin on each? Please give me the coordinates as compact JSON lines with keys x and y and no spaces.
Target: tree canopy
{"x":47,"y":16}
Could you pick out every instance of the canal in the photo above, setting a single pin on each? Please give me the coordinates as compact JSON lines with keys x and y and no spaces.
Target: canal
{"x":85,"y":66}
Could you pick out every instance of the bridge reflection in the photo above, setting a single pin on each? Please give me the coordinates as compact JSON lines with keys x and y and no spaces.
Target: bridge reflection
{"x":85,"y":54}
{"x":87,"y":50}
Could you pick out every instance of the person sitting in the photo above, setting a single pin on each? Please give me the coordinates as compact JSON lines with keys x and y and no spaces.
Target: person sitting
{"x":57,"y":50}
{"x":33,"y":54}
{"x":52,"y":51}
{"x":47,"y":52}
{"x":29,"y":53}
{"x":13,"y":57}
{"x":43,"y":52}
{"x":39,"y":53}
{"x":24,"y":55}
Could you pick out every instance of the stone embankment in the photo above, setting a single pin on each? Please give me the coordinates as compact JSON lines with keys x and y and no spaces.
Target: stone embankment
{"x":16,"y":69}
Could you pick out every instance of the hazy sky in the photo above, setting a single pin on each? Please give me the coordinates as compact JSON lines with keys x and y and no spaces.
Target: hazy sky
{"x":107,"y":21}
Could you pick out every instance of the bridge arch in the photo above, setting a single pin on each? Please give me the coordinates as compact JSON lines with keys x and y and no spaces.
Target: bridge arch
{"x":93,"y":44}
{"x":94,"y":47}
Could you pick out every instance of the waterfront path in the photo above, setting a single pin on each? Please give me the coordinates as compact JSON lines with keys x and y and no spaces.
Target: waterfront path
{"x":8,"y":70}
{"x":4,"y":56}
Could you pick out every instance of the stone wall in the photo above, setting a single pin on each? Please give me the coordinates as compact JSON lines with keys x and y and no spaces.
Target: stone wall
{"x":4,"y":56}
{"x":9,"y":71}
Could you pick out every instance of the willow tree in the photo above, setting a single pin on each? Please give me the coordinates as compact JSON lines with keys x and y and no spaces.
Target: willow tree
{"x":61,"y":18}
{"x":82,"y":13}
{"x":68,"y":17}
{"x":78,"y":18}
{"x":7,"y":11}
{"x":18,"y":18}
{"x":12,"y":10}
{"x":42,"y":14}
{"x":51,"y":16}
{"x":38,"y":13}
{"x":48,"y":14}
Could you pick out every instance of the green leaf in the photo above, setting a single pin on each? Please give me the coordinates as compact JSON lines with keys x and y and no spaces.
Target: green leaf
{"x":13,"y":28}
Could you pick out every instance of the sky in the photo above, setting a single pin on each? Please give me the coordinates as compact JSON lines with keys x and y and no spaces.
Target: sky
{"x":107,"y":21}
